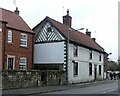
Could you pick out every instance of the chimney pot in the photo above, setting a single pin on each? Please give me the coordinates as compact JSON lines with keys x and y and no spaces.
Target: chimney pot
{"x":86,"y":30}
{"x":17,"y":11}
{"x":88,"y":34}
{"x":94,"y":39}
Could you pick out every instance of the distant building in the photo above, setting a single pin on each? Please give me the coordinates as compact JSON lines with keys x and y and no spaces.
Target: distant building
{"x":60,"y":47}
{"x":16,"y":39}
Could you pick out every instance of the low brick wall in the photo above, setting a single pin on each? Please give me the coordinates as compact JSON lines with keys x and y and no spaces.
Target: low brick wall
{"x":24,"y":79}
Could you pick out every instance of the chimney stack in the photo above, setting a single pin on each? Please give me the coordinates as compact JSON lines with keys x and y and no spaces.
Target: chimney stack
{"x":88,"y":33}
{"x":16,"y":11}
{"x":67,"y":20}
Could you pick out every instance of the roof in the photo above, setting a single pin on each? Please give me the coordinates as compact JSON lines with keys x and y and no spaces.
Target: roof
{"x":14,"y":21}
{"x":73,"y":35}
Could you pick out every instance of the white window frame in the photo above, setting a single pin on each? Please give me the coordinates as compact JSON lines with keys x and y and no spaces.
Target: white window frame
{"x":23,"y":65}
{"x":9,"y":36}
{"x":23,"y":40}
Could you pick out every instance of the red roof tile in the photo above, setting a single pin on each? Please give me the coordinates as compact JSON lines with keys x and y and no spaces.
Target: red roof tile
{"x":14,"y":21}
{"x":76,"y":36}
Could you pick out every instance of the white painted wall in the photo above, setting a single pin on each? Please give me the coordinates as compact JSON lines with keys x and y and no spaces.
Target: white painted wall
{"x":83,"y":64}
{"x":49,"y":53}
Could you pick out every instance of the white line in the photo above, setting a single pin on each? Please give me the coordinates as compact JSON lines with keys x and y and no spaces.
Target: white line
{"x":109,"y":91}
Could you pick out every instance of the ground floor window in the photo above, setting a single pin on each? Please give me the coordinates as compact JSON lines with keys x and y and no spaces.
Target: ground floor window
{"x":75,"y":67}
{"x":22,"y":63}
{"x":90,"y":68}
{"x":99,"y":69}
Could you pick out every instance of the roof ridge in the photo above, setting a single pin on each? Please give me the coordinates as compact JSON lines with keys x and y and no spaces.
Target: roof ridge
{"x":6,"y":10}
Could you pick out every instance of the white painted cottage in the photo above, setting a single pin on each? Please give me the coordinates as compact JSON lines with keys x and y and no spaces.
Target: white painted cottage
{"x":60,"y":47}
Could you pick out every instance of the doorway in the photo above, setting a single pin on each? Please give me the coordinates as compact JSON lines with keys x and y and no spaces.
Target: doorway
{"x":95,"y":72}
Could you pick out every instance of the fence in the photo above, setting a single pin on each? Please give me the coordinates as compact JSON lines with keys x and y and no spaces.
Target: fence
{"x":24,"y":79}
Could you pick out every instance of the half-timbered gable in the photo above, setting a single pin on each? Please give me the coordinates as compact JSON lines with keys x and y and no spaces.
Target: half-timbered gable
{"x":48,"y":33}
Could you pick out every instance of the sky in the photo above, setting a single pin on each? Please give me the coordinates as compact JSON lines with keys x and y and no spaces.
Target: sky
{"x":98,"y":16}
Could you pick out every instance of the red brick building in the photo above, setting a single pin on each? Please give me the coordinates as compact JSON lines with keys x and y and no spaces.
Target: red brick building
{"x":16,"y":43}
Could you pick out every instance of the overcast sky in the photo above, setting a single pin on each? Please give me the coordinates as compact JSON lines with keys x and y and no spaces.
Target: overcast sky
{"x":99,"y":16}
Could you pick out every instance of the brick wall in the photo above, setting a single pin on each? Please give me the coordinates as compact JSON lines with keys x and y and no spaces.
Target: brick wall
{"x":0,"y":46}
{"x":24,"y":79}
{"x":16,"y":50}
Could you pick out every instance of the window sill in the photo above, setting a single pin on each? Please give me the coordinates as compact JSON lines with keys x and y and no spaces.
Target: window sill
{"x":75,"y":75}
{"x":24,"y":47}
{"x":10,"y":43}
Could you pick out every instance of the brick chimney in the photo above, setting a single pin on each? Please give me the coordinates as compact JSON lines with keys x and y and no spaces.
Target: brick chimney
{"x":88,"y":33}
{"x":67,"y":20}
{"x":16,"y":11}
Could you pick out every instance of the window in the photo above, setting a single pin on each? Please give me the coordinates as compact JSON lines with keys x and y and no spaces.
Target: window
{"x":90,"y":68}
{"x":99,"y":69}
{"x":90,"y":54}
{"x":75,"y":66}
{"x":9,"y":36}
{"x":22,"y":63}
{"x":49,"y":29}
{"x":23,"y":40}
{"x":100,"y":57}
{"x":75,"y":51}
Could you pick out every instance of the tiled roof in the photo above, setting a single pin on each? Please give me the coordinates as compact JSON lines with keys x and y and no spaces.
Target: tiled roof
{"x":76,"y":36}
{"x":14,"y":21}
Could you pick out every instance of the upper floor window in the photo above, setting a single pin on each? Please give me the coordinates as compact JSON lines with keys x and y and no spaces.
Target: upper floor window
{"x":100,"y":57}
{"x":23,"y":40}
{"x":22,"y":63}
{"x":75,"y":68}
{"x":75,"y":50}
{"x":90,"y":54}
{"x":9,"y":36}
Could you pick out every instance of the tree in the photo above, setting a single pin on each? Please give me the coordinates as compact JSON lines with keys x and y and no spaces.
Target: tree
{"x":113,"y":66}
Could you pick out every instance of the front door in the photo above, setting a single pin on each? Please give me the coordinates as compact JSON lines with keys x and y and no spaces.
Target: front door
{"x":10,"y":62}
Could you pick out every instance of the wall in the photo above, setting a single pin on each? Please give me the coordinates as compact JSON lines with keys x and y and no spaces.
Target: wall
{"x":24,"y":79}
{"x":16,"y":50}
{"x":83,"y":65}
{"x":49,"y":53}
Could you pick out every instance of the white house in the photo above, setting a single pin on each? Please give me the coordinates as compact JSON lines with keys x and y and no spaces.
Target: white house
{"x":60,"y":47}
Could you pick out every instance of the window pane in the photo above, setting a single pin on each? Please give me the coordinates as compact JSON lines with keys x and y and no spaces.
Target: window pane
{"x":9,"y":36}
{"x":75,"y":68}
{"x":22,"y":63}
{"x":90,"y":69}
{"x":75,"y":50}
{"x":23,"y":40}
{"x":99,"y":69}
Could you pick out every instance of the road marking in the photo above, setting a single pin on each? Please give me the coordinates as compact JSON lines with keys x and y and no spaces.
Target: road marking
{"x":109,"y":91}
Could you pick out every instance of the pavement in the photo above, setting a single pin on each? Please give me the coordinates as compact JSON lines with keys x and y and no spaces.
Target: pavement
{"x":46,"y":89}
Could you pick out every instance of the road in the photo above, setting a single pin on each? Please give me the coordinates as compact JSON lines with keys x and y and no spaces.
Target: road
{"x":107,"y":88}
